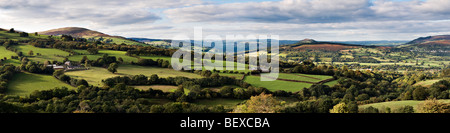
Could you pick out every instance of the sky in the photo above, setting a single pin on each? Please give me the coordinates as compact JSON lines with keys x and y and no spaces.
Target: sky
{"x":325,"y":20}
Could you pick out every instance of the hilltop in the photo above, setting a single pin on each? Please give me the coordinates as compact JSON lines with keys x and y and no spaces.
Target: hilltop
{"x":440,"y":40}
{"x":75,"y":32}
{"x":91,"y":35}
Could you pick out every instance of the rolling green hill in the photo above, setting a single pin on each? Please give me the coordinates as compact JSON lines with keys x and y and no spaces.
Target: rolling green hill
{"x":24,"y":84}
{"x":90,"y":35}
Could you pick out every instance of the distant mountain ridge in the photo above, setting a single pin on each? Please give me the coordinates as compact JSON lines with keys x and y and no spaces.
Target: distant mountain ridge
{"x":431,"y":40}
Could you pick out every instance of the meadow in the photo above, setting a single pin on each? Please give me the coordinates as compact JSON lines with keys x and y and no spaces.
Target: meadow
{"x":277,"y":84}
{"x":117,"y":54}
{"x":428,"y":83}
{"x":16,"y":36}
{"x":118,"y":40}
{"x":46,"y":54}
{"x":24,"y":84}
{"x":4,"y":53}
{"x":95,"y":75}
{"x":148,"y":71}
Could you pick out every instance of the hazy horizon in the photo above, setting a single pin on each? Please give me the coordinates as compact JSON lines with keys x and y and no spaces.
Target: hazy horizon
{"x":331,"y":20}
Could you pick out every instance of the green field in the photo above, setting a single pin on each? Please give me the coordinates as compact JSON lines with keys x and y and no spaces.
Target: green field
{"x":24,"y":84}
{"x":117,"y":54}
{"x":164,"y":88}
{"x":277,"y":84}
{"x":16,"y":36}
{"x":47,"y":54}
{"x":93,"y":76}
{"x":303,"y":77}
{"x":157,"y":57}
{"x":428,"y":83}
{"x":4,"y":53}
{"x":96,"y":74}
{"x":148,"y":71}
{"x":331,"y":83}
{"x":397,"y":104}
{"x":238,"y":76}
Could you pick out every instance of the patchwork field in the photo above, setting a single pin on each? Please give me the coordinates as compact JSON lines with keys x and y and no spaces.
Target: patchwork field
{"x":24,"y":84}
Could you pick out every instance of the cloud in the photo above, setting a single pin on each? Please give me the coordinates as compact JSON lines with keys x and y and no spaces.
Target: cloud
{"x":314,"y":11}
{"x":112,"y":12}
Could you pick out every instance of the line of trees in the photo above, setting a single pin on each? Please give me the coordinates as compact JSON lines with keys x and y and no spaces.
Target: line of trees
{"x":6,"y":74}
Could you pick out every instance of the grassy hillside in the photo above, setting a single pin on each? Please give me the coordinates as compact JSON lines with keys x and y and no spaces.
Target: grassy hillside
{"x":95,"y":74}
{"x":47,"y":54}
{"x":148,"y":71}
{"x":303,"y":77}
{"x":117,"y":54}
{"x":428,"y":83}
{"x":16,"y":36}
{"x":4,"y":53}
{"x":24,"y":84}
{"x":116,"y":40}
{"x":164,"y":88}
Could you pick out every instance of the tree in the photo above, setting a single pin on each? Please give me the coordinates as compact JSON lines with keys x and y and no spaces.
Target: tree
{"x":31,"y":53}
{"x":120,"y":60}
{"x":113,"y":67}
{"x":82,"y":82}
{"x":84,"y":59}
{"x":12,"y":30}
{"x":92,"y":50}
{"x":263,"y":103}
{"x":340,"y":108}
{"x":433,"y":106}
{"x":405,"y":109}
{"x":420,"y":93}
{"x":23,"y":34}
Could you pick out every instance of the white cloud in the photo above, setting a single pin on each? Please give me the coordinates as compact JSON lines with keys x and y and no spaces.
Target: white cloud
{"x":112,"y":12}
{"x":291,"y":19}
